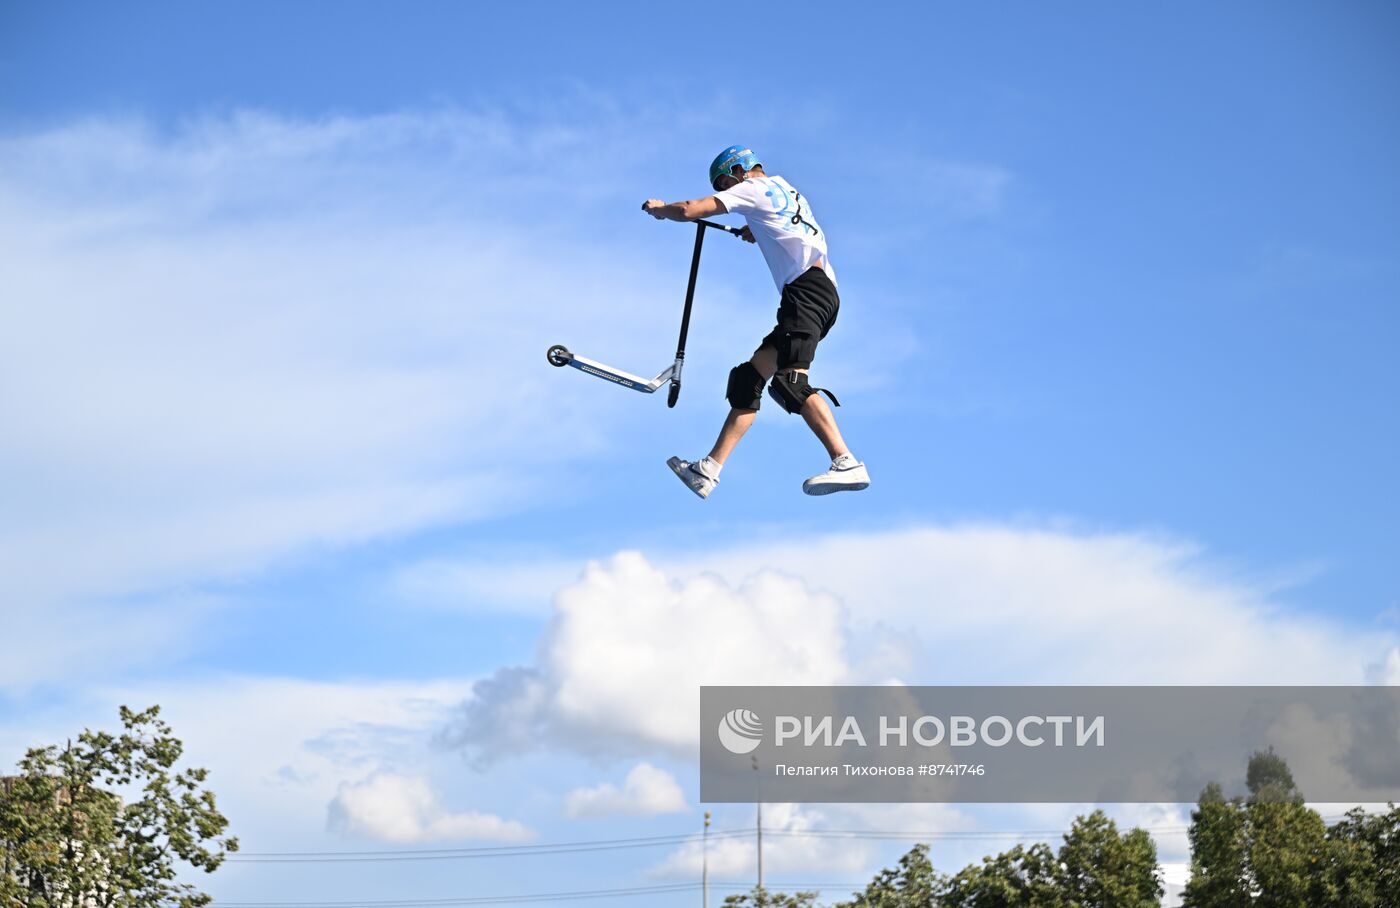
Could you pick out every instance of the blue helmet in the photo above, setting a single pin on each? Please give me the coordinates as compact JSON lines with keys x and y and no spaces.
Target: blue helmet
{"x":727,"y":159}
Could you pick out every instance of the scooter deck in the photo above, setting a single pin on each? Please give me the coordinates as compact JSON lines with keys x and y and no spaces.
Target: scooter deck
{"x":617,"y":376}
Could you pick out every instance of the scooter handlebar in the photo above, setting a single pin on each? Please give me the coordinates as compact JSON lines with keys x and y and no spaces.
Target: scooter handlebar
{"x":724,"y":227}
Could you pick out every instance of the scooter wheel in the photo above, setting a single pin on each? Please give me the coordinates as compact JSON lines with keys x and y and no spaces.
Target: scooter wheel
{"x":559,"y":355}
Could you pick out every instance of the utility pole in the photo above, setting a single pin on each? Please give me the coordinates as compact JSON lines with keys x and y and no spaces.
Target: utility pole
{"x":759,"y":802}
{"x":760,"y":845}
{"x":705,"y":862}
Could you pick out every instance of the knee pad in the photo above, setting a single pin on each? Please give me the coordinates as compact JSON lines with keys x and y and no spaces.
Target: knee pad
{"x":791,"y":390}
{"x":745,"y":391}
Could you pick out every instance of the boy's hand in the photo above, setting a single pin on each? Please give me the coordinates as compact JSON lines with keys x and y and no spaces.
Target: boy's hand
{"x":650,"y":206}
{"x":746,"y":234}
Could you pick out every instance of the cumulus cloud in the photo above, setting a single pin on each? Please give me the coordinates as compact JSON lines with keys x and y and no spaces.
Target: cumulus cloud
{"x":622,"y":662}
{"x":646,"y":791}
{"x":405,"y":809}
{"x":631,"y":642}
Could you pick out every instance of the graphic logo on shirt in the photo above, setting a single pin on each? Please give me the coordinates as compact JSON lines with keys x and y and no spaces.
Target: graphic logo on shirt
{"x":783,"y":203}
{"x":778,"y":196}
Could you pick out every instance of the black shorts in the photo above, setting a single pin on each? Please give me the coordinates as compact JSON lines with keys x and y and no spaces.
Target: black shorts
{"x":806,"y":313}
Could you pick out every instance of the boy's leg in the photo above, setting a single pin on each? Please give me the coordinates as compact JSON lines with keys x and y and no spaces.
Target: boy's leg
{"x":765,"y":360}
{"x":794,"y":391}
{"x":822,"y":422}
{"x":735,"y":425}
{"x":815,"y":412}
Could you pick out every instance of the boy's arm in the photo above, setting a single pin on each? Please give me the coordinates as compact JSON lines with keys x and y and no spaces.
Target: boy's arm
{"x":684,"y":211}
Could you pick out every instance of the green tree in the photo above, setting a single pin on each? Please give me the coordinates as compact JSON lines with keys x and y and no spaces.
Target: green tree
{"x":1269,"y":779}
{"x":68,"y":841}
{"x":1288,"y":856}
{"x":1096,"y":867}
{"x":1218,"y":866}
{"x":760,"y":897}
{"x":1099,"y":867}
{"x":1285,"y":841}
{"x":1024,"y":877}
{"x":1364,"y":866}
{"x":914,"y":884}
{"x":1269,"y":850}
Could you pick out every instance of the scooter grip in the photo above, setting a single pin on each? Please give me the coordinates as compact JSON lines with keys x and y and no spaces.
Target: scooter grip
{"x":674,"y":394}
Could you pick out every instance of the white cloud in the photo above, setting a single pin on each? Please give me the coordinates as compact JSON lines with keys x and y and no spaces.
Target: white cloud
{"x":405,"y":809}
{"x":1007,"y":604}
{"x":632,"y":640}
{"x":622,"y":662}
{"x":647,"y":791}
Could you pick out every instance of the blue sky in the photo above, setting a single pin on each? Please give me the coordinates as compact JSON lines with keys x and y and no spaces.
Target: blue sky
{"x":1117,"y":342}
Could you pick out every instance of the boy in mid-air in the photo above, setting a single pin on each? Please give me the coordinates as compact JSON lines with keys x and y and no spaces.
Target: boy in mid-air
{"x":794,"y":246}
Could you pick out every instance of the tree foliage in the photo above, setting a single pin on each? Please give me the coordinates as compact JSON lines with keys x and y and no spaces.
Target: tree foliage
{"x":914,"y":884}
{"x":1099,"y":867}
{"x":1096,"y":867}
{"x":1365,"y":860}
{"x":1218,"y":849}
{"x":1269,"y":850}
{"x":1024,"y":877}
{"x":67,"y":840}
{"x":760,"y":897}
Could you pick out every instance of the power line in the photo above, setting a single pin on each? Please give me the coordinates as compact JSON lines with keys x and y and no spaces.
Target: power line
{"x":605,"y":844}
{"x":570,"y":895}
{"x":436,"y":854}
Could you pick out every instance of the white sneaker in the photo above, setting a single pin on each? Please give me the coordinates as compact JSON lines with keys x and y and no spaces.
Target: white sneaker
{"x":838,"y":479}
{"x":690,"y":474}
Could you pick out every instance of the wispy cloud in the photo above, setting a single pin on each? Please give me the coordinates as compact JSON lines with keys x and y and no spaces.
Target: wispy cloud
{"x":253,"y":336}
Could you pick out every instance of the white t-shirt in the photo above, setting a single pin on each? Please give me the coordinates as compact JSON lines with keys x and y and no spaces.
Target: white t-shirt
{"x":781,"y":221}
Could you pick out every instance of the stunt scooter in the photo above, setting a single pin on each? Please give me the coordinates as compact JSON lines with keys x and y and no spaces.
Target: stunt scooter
{"x":559,"y":355}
